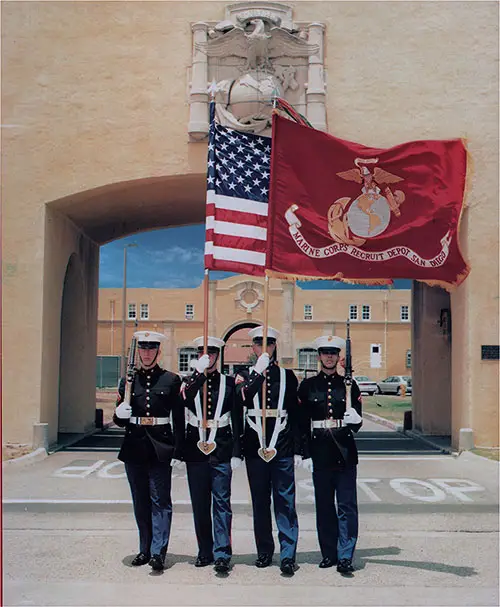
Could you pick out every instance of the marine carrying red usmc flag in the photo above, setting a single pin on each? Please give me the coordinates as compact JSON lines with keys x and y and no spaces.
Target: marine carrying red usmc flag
{"x":343,"y":211}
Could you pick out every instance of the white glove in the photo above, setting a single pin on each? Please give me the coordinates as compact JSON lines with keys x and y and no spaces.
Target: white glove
{"x":262,"y":363}
{"x":201,"y":363}
{"x":297,"y":460}
{"x":351,"y":416}
{"x":235,"y":463}
{"x":307,"y":464}
{"x":176,"y":463}
{"x":124,"y":410}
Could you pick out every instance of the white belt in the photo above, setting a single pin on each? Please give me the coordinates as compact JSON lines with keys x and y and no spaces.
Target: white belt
{"x":150,"y":421}
{"x":327,"y":423}
{"x":222,"y":422}
{"x":269,"y":413}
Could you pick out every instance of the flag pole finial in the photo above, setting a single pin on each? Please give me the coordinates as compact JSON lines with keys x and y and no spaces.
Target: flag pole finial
{"x":213,"y":89}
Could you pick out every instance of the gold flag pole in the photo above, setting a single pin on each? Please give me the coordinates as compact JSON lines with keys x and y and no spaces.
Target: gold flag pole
{"x":264,"y":349}
{"x":205,"y":346}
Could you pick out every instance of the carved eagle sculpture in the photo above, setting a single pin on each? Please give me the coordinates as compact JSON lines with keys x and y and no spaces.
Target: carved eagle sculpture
{"x":257,"y":46}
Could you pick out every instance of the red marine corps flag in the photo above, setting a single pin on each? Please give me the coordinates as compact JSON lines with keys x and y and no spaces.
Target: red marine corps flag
{"x":340,"y":210}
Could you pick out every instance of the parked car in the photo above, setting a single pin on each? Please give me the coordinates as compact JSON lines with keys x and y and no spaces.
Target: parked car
{"x":366,"y":384}
{"x":393,"y":385}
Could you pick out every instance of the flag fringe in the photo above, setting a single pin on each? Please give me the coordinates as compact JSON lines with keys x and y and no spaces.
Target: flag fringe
{"x":469,"y":174}
{"x":380,"y":282}
{"x":339,"y":276}
{"x":448,"y":286}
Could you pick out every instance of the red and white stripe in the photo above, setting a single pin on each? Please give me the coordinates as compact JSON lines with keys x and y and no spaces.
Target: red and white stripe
{"x":236,"y":234}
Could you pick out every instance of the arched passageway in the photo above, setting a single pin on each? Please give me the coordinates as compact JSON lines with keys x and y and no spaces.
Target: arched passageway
{"x":232,"y":361}
{"x":75,"y":227}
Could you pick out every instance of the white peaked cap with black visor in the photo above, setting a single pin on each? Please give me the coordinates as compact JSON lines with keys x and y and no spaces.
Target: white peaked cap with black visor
{"x":213,"y":342}
{"x":148,"y":340}
{"x":329,"y":342}
{"x":258,"y":333}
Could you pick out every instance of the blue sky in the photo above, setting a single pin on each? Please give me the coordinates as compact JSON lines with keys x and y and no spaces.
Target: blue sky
{"x":173,"y":258}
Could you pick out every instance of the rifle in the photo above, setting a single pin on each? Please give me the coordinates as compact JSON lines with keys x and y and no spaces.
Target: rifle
{"x":131,"y":369}
{"x":348,"y":366}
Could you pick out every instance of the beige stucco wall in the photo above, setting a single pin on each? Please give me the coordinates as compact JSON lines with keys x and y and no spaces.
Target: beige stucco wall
{"x":94,"y":95}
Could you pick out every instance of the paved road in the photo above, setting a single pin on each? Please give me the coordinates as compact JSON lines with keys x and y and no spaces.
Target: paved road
{"x":429,"y":536}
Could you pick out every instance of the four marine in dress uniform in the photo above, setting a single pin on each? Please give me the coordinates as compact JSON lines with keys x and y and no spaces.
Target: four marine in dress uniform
{"x":270,"y":391}
{"x":154,"y":423}
{"x":311,"y":426}
{"x":210,"y":454}
{"x":328,"y":423}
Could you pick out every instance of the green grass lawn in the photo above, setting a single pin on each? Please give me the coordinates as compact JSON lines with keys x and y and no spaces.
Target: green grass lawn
{"x":388,"y":407}
{"x":489,"y":453}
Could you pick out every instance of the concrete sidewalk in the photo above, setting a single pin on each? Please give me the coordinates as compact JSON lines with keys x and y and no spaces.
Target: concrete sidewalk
{"x":428,"y":536}
{"x":83,"y":559}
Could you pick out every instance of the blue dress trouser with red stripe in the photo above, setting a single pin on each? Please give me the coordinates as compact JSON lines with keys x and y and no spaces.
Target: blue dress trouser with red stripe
{"x":150,"y":485}
{"x":337,"y":526}
{"x":276,"y":477}
{"x":210,"y":490}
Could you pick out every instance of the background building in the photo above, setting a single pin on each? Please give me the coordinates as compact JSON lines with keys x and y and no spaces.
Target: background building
{"x":380,"y":323}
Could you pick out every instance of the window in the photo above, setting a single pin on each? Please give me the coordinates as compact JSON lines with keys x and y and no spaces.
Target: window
{"x":365,"y":313}
{"x":308,"y":358}
{"x":132,"y":311}
{"x":185,"y":356}
{"x":353,"y":312}
{"x":408,"y":359}
{"x":405,"y":313}
{"x":144,"y":311}
{"x":308,"y":312}
{"x":189,"y":311}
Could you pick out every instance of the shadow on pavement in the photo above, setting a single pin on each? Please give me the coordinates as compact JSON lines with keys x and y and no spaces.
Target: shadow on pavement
{"x":427,"y":566}
{"x":362,"y":557}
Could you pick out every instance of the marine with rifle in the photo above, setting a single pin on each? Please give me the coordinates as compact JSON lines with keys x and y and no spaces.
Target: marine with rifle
{"x":149,"y":409}
{"x":330,"y":406}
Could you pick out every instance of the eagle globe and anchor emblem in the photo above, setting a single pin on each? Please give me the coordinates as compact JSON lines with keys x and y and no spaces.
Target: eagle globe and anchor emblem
{"x":369,"y":214}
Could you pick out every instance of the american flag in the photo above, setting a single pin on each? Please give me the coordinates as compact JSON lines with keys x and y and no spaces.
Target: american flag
{"x":237,"y":195}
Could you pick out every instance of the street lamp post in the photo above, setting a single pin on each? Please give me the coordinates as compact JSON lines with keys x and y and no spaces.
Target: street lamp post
{"x":123,"y":361}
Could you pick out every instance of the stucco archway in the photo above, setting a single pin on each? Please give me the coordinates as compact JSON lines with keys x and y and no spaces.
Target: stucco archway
{"x":75,"y":227}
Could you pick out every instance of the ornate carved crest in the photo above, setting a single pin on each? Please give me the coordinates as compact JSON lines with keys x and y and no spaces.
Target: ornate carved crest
{"x":257,"y":52}
{"x":249,"y":296}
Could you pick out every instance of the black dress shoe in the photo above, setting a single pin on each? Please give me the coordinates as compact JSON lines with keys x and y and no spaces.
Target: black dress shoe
{"x":345,"y":566}
{"x":327,"y":562}
{"x":156,"y":562}
{"x":288,"y":566}
{"x":203,"y":561}
{"x":140,"y":559}
{"x":263,"y":560}
{"x":221,"y":565}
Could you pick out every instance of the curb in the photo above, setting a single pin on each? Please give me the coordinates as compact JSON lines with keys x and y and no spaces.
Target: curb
{"x":383,"y":422}
{"x":475,"y":458}
{"x":30,"y":458}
